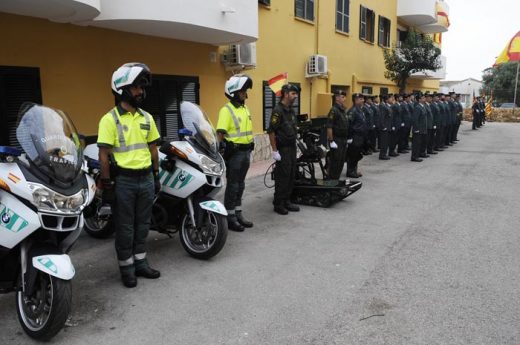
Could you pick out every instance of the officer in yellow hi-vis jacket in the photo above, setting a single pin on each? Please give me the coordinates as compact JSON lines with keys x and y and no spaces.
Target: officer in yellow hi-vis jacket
{"x":128,"y":135}
{"x":235,"y":131}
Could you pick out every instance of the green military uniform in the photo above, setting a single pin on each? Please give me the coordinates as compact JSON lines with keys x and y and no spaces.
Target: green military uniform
{"x":129,"y":136}
{"x":338,"y":121}
{"x":283,"y":125}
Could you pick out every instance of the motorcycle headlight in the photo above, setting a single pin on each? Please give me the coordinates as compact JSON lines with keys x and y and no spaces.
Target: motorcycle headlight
{"x":209,"y":166}
{"x":48,"y":200}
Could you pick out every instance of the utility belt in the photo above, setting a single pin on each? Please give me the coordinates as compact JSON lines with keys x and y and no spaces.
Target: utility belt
{"x":245,"y":147}
{"x":134,"y":172}
{"x":232,"y":147}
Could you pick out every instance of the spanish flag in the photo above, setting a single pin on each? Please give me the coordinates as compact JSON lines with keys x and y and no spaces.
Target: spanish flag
{"x":511,"y":52}
{"x":442,"y":15}
{"x":277,"y":82}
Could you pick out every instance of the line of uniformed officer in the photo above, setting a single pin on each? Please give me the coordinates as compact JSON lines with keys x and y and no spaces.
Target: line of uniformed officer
{"x":385,"y":125}
{"x":358,"y":130}
{"x":373,"y":131}
{"x":337,"y":134}
{"x":479,"y":112}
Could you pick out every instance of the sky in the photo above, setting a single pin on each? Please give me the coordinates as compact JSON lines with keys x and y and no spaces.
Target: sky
{"x":479,"y":30}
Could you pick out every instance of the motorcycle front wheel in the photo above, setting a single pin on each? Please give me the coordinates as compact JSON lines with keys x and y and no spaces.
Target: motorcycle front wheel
{"x":43,"y":314}
{"x":207,"y":239}
{"x":97,"y":226}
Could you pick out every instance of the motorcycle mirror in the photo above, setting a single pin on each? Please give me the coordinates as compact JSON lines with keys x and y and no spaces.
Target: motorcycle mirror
{"x":185,"y":132}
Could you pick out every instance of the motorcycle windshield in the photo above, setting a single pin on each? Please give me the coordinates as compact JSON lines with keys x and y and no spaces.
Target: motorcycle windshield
{"x":50,"y":142}
{"x":198,"y":123}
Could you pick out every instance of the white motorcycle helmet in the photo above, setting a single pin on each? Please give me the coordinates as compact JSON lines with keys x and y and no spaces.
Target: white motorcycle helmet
{"x":238,"y":82}
{"x":130,"y":74}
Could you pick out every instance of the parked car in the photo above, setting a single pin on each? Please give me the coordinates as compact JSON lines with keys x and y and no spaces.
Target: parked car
{"x":508,"y":106}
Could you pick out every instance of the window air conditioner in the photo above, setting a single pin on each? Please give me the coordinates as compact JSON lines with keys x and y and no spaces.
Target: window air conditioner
{"x":317,"y":65}
{"x":243,"y":55}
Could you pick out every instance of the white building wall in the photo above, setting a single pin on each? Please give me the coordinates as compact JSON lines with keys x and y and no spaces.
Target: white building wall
{"x":216,"y":22}
{"x":208,"y":21}
{"x":467,"y":88}
{"x":417,"y":12}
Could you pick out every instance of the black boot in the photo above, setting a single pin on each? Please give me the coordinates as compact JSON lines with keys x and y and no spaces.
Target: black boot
{"x":244,"y":222}
{"x":233,"y":223}
{"x":147,"y":272}
{"x":280,"y":209}
{"x":289,"y":206}
{"x":128,"y":278}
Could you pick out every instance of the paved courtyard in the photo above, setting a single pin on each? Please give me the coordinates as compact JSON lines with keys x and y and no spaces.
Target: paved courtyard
{"x":424,"y":253}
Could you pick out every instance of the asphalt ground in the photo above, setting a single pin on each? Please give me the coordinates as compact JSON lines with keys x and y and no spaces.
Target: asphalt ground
{"x":424,"y":253}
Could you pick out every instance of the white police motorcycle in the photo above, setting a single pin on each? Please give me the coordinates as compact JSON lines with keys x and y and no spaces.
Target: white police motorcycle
{"x":42,"y":194}
{"x":191,"y":175}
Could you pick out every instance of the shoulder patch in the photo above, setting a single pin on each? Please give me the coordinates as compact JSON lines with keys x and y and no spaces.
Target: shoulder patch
{"x":275,"y":118}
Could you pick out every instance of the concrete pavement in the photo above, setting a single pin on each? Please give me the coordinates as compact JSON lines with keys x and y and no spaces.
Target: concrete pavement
{"x":424,"y":253}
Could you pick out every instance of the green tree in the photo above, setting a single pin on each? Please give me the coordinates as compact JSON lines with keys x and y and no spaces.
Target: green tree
{"x":500,"y":81}
{"x":416,"y":54}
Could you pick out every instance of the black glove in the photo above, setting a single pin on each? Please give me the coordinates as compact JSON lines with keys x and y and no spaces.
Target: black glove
{"x":157,"y":184}
{"x":109,"y":194}
{"x":222,"y":147}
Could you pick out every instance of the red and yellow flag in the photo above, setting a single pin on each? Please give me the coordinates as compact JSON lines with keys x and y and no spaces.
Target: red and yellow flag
{"x":511,"y":52}
{"x":488,"y":105}
{"x":277,"y":82}
{"x":442,"y":15}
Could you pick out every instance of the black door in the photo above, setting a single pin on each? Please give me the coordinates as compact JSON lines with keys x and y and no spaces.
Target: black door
{"x":163,"y":101}
{"x":17,"y":85}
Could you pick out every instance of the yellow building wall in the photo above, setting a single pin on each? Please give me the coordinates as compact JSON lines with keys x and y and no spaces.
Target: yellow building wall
{"x":285,"y":44}
{"x":76,"y":64}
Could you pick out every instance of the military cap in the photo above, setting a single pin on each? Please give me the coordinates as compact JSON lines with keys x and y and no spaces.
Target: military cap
{"x":290,"y":87}
{"x":357,"y":95}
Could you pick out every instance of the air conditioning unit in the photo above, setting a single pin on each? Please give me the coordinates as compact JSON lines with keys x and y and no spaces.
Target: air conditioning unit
{"x":317,"y":66}
{"x":240,"y":55}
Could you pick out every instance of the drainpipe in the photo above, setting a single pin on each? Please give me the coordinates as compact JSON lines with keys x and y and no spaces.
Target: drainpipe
{"x":316,"y":49}
{"x":317,"y":30}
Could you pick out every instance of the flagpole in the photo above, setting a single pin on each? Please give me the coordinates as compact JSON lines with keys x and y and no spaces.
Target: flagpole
{"x":516,"y":85}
